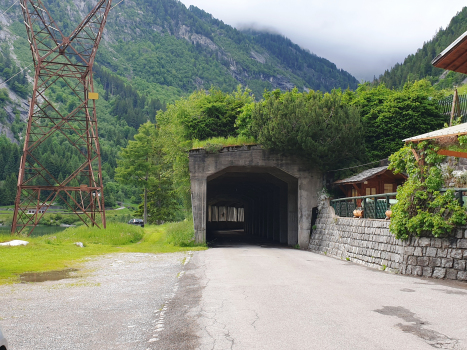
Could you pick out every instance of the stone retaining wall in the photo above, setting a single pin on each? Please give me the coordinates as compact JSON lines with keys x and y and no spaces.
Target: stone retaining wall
{"x":369,"y":242}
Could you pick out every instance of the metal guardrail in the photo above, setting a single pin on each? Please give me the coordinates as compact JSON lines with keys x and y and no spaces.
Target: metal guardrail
{"x":375,"y":206}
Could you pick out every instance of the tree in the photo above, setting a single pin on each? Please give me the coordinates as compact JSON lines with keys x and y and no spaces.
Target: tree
{"x":390,"y":116}
{"x":138,"y":163}
{"x":318,"y":127}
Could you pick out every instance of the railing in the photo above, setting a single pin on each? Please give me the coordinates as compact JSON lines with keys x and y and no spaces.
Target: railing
{"x":375,"y":206}
{"x":446,"y":107}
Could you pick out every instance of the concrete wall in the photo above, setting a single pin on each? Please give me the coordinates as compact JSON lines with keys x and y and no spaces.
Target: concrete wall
{"x":369,"y":242}
{"x":302,"y":186}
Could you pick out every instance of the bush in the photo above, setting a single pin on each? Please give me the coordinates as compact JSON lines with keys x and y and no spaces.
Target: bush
{"x":422,"y":210}
{"x":181,"y":234}
{"x":116,"y":234}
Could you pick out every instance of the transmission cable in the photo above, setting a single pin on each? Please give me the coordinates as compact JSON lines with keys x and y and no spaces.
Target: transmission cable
{"x":21,"y":70}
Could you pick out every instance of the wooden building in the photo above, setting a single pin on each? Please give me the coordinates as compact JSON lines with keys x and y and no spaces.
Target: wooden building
{"x":370,"y":182}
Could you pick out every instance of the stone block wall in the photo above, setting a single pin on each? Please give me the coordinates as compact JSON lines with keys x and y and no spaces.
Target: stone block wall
{"x":368,"y":242}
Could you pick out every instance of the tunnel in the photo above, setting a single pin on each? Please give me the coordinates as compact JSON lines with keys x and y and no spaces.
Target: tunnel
{"x":254,"y":193}
{"x":252,"y":204}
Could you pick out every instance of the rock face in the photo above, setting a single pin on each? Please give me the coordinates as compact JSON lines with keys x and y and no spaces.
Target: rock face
{"x":369,"y":242}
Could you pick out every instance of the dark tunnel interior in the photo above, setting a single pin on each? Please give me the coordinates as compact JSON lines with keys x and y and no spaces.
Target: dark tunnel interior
{"x":248,"y":207}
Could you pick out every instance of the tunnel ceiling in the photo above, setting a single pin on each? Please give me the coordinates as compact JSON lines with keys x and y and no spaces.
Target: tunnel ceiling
{"x":237,"y":188}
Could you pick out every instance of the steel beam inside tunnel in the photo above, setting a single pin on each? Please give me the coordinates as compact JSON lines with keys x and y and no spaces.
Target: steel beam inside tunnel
{"x":276,"y":192}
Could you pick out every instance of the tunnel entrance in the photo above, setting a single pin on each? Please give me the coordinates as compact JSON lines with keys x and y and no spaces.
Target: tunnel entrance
{"x":251,"y":205}
{"x":254,"y":192}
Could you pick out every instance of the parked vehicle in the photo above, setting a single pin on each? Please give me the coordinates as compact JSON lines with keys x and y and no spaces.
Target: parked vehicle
{"x":138,"y":222}
{"x":3,"y":342}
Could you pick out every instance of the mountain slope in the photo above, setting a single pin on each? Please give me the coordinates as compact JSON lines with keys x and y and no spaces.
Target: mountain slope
{"x":165,"y":48}
{"x":418,"y":65}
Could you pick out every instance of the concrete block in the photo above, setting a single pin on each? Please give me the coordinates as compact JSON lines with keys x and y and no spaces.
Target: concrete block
{"x":424,"y":242}
{"x":451,"y":274}
{"x":462,"y":243}
{"x":434,"y":262}
{"x":418,"y":252}
{"x":456,"y":254}
{"x":445,"y":243}
{"x":431,"y":252}
{"x":424,"y":261}
{"x":448,"y":262}
{"x":417,"y":270}
{"x":442,"y":253}
{"x":436,"y":243}
{"x":427,"y":271}
{"x":439,"y":272}
{"x":462,"y":276}
{"x":459,"y":265}
{"x":460,"y":233}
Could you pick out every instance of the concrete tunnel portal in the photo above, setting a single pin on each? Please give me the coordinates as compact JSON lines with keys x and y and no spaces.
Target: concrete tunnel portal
{"x":255,"y":192}
{"x":255,"y":201}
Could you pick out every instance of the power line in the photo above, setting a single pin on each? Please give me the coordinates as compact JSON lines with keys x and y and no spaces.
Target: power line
{"x":4,"y":12}
{"x":359,"y":166}
{"x":21,"y":70}
{"x":118,"y":3}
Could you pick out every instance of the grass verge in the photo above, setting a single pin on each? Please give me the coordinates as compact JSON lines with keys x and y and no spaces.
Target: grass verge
{"x":57,"y":251}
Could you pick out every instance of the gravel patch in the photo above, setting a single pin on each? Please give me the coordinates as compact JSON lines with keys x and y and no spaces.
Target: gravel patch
{"x":115,"y":301}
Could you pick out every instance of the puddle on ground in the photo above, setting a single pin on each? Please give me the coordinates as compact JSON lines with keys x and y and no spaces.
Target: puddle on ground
{"x":47,"y":276}
{"x":417,"y":327}
{"x":408,"y":290}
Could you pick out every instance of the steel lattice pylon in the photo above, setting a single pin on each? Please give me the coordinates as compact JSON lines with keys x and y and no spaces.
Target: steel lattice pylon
{"x":68,"y":61}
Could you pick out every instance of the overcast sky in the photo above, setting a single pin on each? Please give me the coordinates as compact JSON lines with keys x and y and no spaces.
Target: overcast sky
{"x":364,"y":37}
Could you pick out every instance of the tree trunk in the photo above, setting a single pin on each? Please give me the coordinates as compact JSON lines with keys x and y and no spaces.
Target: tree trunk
{"x":145,"y":215}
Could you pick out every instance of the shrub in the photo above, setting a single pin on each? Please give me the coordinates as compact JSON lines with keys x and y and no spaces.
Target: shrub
{"x":181,"y":233}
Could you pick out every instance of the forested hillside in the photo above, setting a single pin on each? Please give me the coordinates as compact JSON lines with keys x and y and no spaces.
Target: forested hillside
{"x":418,"y":66}
{"x":152,"y":53}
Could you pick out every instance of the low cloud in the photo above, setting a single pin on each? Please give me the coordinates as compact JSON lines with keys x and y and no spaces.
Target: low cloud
{"x":365,"y":38}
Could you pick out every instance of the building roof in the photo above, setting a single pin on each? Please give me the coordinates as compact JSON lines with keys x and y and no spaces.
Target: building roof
{"x":454,"y":57}
{"x":457,"y":130}
{"x":363,"y":176}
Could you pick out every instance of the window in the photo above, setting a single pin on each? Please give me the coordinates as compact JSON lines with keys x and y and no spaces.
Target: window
{"x":388,"y":188}
{"x":354,"y":192}
{"x":370,"y":191}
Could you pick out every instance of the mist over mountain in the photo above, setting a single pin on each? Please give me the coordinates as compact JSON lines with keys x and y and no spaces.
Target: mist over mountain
{"x":418,"y":65}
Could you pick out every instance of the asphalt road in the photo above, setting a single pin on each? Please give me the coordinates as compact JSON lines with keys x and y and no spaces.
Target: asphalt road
{"x":234,"y":296}
{"x":252,"y":297}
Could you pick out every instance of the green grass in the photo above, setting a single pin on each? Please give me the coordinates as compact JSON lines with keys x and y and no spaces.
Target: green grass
{"x":57,"y":251}
{"x":220,"y":142}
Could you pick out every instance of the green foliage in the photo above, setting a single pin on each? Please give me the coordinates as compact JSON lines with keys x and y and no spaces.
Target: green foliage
{"x":193,"y":122}
{"x":389,"y":116}
{"x":116,"y":234}
{"x":216,"y":114}
{"x":319,"y":127}
{"x":422,"y":210}
{"x":181,"y":233}
{"x":217,"y":143}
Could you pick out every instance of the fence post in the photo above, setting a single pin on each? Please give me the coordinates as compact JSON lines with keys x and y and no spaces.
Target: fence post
{"x":364,"y":208}
{"x":376,"y":207}
{"x":388,"y":206}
